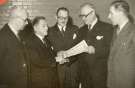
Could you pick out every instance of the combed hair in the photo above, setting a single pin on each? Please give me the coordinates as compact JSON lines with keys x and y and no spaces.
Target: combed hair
{"x":37,"y":19}
{"x":123,"y":6}
{"x":62,"y":8}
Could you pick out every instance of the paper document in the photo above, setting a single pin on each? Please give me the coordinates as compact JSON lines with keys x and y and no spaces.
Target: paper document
{"x":77,"y":49}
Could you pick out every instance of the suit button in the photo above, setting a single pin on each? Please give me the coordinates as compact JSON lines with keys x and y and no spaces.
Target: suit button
{"x":24,"y":65}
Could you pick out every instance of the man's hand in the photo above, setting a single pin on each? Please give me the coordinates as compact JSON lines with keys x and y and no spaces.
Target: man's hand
{"x":90,"y":50}
{"x":61,"y":57}
{"x":61,"y":60}
{"x":62,"y":54}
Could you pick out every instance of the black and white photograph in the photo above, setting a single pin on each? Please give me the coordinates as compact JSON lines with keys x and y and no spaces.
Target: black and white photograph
{"x":67,"y":43}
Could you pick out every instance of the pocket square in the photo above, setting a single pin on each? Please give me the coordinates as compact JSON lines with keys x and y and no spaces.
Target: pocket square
{"x":74,"y":35}
{"x":99,"y":37}
{"x":52,"y":47}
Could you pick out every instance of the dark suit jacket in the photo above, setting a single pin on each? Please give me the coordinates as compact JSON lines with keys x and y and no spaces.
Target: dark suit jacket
{"x":67,"y":72}
{"x":13,"y":61}
{"x":42,"y":63}
{"x":121,"y":64}
{"x":60,"y":42}
{"x":95,"y":65}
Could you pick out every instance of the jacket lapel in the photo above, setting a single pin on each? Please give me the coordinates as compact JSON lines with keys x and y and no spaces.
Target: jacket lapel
{"x":38,"y":42}
{"x":121,"y":39}
{"x":12,"y":35}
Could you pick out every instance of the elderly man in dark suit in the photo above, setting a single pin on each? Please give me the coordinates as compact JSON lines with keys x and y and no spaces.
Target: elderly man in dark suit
{"x":62,"y":36}
{"x":93,"y":67}
{"x":121,"y":64}
{"x":42,"y":63}
{"x":14,"y":71}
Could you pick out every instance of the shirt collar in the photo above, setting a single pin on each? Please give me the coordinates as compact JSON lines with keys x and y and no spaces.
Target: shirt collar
{"x":60,"y":28}
{"x":40,"y":37}
{"x":13,"y":29}
{"x":93,"y":23}
{"x":122,"y":26}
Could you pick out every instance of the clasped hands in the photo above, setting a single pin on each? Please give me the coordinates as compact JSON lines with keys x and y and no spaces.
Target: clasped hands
{"x":62,"y":56}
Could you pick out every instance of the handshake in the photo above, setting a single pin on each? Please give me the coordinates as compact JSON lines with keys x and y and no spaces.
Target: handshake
{"x":82,"y":47}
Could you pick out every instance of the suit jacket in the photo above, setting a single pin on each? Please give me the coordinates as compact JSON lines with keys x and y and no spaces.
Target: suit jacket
{"x":121,"y":64}
{"x":13,"y":61}
{"x":67,"y":72}
{"x":60,"y":42}
{"x":42,"y":63}
{"x":95,"y":65}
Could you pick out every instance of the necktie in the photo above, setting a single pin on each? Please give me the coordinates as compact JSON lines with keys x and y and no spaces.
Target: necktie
{"x":44,"y":42}
{"x":118,"y":30}
{"x":89,"y":27}
{"x":62,"y":31}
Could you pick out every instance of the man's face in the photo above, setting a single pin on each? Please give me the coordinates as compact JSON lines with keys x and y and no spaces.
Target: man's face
{"x":62,"y":18}
{"x":114,"y":15}
{"x":22,"y":20}
{"x":42,"y":28}
{"x":87,"y":14}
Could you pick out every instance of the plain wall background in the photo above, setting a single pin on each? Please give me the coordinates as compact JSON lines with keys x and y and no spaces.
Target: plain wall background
{"x":48,"y":8}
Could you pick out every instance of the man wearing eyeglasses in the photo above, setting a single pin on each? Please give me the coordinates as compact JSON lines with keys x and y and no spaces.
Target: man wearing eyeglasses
{"x":93,"y":67}
{"x":13,"y":58}
{"x":62,"y":36}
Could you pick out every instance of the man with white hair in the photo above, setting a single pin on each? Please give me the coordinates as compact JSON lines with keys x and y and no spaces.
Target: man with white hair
{"x":13,"y":58}
{"x":96,"y":33}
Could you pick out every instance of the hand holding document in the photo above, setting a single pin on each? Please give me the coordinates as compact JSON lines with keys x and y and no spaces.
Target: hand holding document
{"x":77,"y":49}
{"x":61,"y":60}
{"x":61,"y":57}
{"x":90,"y":50}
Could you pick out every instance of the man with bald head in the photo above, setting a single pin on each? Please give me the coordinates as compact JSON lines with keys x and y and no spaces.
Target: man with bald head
{"x":93,"y":67}
{"x":13,"y":58}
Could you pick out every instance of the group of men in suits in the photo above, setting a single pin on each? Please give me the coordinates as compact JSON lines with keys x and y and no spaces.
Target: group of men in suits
{"x":92,"y":64}
{"x":13,"y":56}
{"x":29,"y":62}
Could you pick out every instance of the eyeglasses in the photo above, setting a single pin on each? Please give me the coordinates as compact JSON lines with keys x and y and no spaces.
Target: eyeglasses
{"x":62,"y":18}
{"x":83,"y":15}
{"x":25,"y":20}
